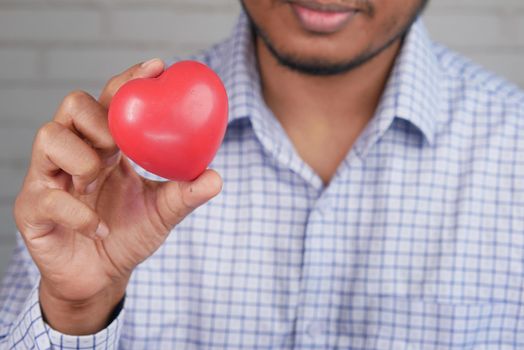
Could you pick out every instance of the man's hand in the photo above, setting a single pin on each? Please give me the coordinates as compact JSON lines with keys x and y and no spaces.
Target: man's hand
{"x":87,"y":218}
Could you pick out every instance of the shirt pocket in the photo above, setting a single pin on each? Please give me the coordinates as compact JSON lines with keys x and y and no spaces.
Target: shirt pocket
{"x":406,"y":324}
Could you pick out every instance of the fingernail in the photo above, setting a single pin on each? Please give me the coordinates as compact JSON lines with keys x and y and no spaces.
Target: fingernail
{"x":152,"y":61}
{"x":113,"y":159}
{"x":91,"y":187}
{"x":102,"y":231}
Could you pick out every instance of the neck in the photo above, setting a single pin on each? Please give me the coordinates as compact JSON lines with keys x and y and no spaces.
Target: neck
{"x":325,"y":113}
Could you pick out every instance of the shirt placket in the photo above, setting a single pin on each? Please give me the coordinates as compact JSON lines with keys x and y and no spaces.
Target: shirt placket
{"x":319,"y":308}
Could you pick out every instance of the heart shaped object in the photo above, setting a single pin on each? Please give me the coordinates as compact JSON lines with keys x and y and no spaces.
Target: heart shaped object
{"x":172,"y":125}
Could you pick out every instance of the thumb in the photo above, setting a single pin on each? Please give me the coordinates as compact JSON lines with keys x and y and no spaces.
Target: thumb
{"x":176,"y":200}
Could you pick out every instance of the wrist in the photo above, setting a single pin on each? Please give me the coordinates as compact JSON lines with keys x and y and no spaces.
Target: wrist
{"x":80,"y":317}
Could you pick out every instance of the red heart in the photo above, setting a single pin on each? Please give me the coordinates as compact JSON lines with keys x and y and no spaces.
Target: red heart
{"x":172,"y":125}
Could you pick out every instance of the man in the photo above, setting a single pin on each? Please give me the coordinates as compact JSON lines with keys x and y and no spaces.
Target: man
{"x":373,"y":198}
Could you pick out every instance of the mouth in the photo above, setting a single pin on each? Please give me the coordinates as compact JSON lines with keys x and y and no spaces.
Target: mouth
{"x":321,"y":17}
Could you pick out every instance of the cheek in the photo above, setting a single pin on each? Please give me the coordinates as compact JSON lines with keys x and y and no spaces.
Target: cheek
{"x":388,"y":27}
{"x":390,"y":19}
{"x":261,"y":11}
{"x":276,"y":20}
{"x":394,"y":15}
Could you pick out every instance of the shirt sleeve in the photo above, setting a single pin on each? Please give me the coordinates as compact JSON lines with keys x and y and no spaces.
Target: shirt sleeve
{"x":21,"y":322}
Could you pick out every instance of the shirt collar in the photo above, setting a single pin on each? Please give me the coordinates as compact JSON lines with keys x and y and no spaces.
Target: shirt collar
{"x":238,"y":68}
{"x":412,"y":92}
{"x":416,"y":83}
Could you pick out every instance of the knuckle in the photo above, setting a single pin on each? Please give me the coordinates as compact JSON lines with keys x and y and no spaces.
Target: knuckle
{"x":110,"y":145}
{"x":49,"y":202}
{"x":89,"y":167}
{"x":22,"y":199}
{"x":106,"y":141}
{"x":18,"y":207}
{"x":46,"y":133}
{"x":25,"y":212}
{"x":21,"y":215}
{"x":74,"y":100}
{"x":53,"y":134}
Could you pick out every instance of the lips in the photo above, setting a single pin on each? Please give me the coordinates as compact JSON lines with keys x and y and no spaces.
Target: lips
{"x":322,"y":18}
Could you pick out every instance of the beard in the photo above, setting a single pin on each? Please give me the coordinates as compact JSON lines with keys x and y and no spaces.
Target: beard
{"x":319,"y":67}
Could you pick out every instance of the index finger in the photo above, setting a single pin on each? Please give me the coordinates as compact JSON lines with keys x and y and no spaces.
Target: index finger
{"x":148,"y":69}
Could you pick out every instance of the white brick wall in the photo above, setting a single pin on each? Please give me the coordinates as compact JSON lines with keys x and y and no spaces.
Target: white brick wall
{"x":48,"y":47}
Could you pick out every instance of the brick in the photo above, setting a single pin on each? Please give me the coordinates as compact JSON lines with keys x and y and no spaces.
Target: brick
{"x":11,"y":179}
{"x":476,"y":4}
{"x":182,"y":3}
{"x":15,"y":143}
{"x":152,"y":25}
{"x":31,"y":106}
{"x":94,"y":64}
{"x":506,"y":64}
{"x":8,"y":228}
{"x":6,"y":251}
{"x":52,"y":24}
{"x":462,"y":29}
{"x":18,"y":64}
{"x":50,"y":47}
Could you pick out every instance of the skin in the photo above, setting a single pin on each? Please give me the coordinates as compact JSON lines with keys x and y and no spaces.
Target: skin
{"x":324,"y":88}
{"x":89,"y":223}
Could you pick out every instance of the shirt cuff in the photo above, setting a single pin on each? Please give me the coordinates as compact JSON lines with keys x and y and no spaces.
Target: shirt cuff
{"x":33,"y":330}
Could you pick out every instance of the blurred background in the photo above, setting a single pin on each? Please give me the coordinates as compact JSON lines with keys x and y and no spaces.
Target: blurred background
{"x":49,"y":47}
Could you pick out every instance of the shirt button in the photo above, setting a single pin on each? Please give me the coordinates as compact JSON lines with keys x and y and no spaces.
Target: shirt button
{"x":314,"y":329}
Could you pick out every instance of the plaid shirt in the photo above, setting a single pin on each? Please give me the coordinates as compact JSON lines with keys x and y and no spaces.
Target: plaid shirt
{"x":417,"y":242}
